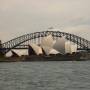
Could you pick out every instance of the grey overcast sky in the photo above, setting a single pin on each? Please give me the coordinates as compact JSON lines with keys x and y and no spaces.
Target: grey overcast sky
{"x":18,"y":17}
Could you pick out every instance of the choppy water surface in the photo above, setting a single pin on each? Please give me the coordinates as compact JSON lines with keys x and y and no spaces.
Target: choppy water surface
{"x":70,"y":75}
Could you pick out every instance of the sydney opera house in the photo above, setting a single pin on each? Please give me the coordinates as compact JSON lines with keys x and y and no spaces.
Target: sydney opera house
{"x":48,"y":46}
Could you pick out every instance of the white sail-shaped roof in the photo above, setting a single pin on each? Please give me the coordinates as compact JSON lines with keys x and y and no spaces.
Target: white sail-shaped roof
{"x":46,"y":49}
{"x":60,"y":45}
{"x":53,"y":51}
{"x":73,"y":48}
{"x":47,"y":41}
{"x":49,"y":50}
{"x":68,"y":47}
{"x":54,"y":42}
{"x":21,"y":52}
{"x":8,"y":54}
{"x":36,"y":48}
{"x":12,"y":53}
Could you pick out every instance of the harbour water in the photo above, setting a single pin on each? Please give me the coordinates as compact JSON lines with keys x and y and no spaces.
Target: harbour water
{"x":49,"y":75}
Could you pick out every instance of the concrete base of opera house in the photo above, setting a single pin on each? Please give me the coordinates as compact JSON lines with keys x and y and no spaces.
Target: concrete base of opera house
{"x":67,"y":57}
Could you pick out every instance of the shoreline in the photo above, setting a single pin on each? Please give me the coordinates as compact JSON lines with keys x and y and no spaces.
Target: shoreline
{"x":44,"y":58}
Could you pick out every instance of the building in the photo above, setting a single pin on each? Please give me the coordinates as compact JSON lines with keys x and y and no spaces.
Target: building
{"x":48,"y":46}
{"x":60,"y":45}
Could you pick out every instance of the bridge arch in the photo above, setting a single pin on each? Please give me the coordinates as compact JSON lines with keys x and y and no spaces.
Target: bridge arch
{"x":81,"y":42}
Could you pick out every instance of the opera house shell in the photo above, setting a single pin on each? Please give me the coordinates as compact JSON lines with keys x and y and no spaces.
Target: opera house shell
{"x":47,"y":46}
{"x":49,"y":50}
{"x":60,"y":45}
{"x":37,"y":49}
{"x":47,"y":41}
{"x":70,"y":47}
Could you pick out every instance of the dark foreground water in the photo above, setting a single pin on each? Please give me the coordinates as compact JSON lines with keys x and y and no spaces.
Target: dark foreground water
{"x":70,"y":75}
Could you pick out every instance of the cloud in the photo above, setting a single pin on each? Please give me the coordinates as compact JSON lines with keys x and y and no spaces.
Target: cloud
{"x":81,"y":30}
{"x":25,"y":16}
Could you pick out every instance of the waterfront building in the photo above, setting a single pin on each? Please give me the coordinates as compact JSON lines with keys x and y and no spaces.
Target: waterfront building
{"x":54,"y":52}
{"x":47,"y":41}
{"x":37,"y":49}
{"x":48,"y":46}
{"x":21,"y":52}
{"x":8,"y":54}
{"x":60,"y":45}
{"x":67,"y":47}
{"x":70,"y":47}
{"x":49,"y":50}
{"x":73,"y":48}
{"x":12,"y":53}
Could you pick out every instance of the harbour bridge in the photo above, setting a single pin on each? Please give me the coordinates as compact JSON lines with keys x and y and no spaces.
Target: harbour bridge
{"x":23,"y":41}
